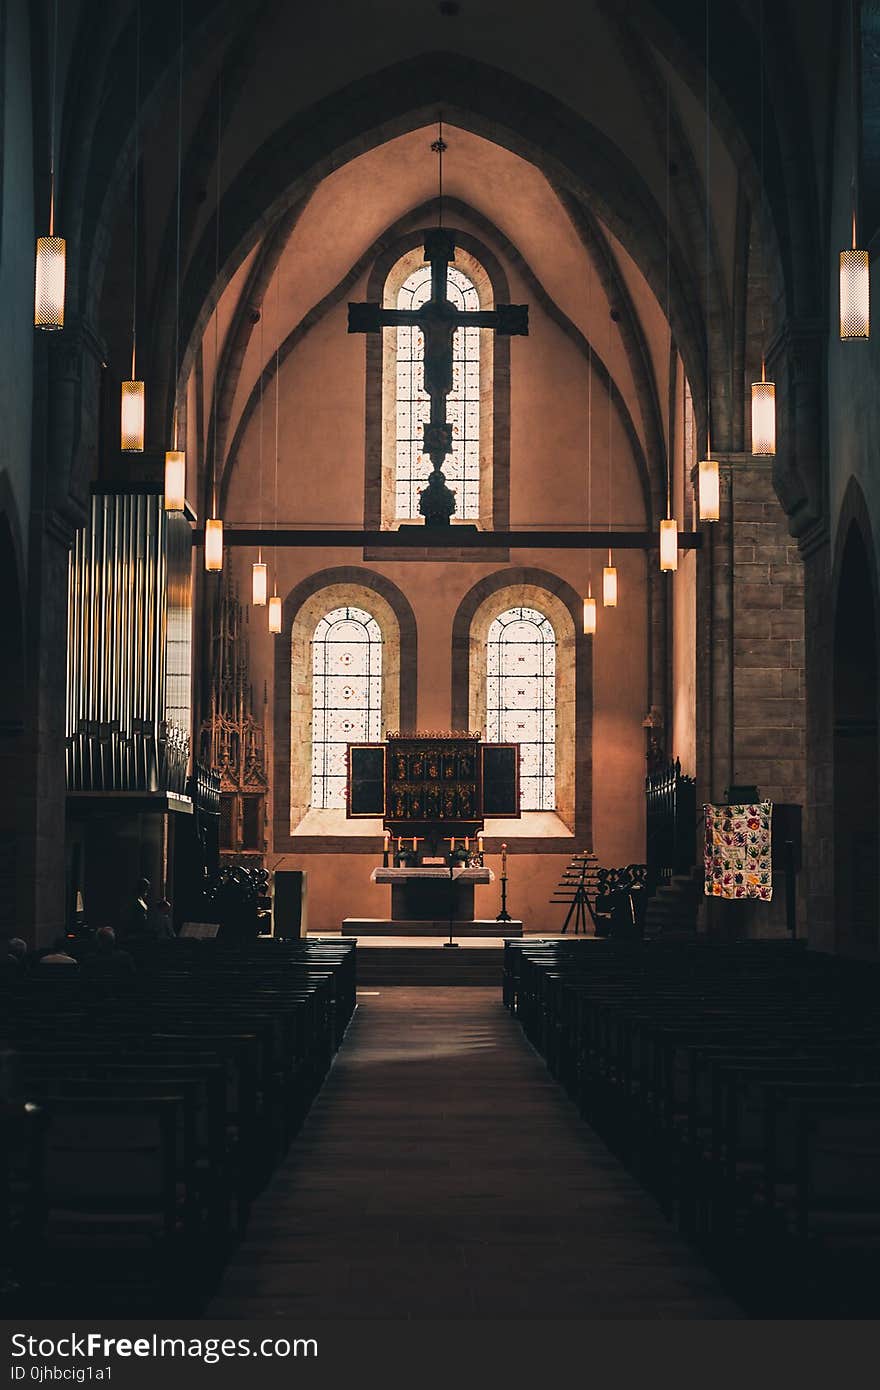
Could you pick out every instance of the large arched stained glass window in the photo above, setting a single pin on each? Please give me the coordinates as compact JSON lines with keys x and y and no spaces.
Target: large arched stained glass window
{"x":462,"y":466}
{"x":346,"y":697}
{"x":521,"y":699}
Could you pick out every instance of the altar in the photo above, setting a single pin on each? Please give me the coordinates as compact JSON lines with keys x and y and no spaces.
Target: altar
{"x":433,"y":791}
{"x":427,"y":893}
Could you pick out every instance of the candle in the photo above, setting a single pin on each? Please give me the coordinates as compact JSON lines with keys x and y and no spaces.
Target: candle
{"x":480,"y":844}
{"x":387,"y":836}
{"x":467,"y":842}
{"x":451,"y":843}
{"x":504,"y":861}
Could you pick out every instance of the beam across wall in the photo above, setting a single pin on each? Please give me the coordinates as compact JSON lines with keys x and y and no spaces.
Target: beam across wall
{"x":451,"y":537}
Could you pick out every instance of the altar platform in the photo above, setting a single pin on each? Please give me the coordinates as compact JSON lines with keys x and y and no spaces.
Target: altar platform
{"x":398,"y":928}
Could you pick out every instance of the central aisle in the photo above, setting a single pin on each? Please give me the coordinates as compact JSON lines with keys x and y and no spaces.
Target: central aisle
{"x":443,"y":1173}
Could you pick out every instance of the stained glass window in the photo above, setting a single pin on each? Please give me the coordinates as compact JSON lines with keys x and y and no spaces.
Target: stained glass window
{"x":346,"y":697}
{"x":462,"y":467}
{"x":521,"y":699}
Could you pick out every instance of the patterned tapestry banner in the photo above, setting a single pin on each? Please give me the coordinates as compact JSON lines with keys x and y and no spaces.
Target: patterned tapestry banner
{"x":739,"y":859}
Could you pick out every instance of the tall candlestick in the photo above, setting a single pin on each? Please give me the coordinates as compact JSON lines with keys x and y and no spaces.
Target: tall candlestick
{"x":504,"y":861}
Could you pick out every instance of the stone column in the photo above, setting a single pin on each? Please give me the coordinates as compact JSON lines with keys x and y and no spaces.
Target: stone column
{"x":751,"y":718}
{"x":65,"y":441}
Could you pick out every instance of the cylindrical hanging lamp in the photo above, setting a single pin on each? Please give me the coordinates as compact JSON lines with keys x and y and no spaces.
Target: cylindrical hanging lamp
{"x":609,"y":584}
{"x":259,"y":584}
{"x":131,"y":418}
{"x":763,"y":416}
{"x":589,"y":616}
{"x":175,"y":480}
{"x":855,"y":294}
{"x":275,"y":613}
{"x":213,"y":544}
{"x":49,"y":282}
{"x":669,"y":544}
{"x":709,"y":491}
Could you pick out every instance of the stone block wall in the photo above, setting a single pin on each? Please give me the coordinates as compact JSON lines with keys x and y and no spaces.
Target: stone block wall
{"x":751,"y":707}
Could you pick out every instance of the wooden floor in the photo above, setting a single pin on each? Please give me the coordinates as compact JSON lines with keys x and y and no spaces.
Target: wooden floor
{"x":443,"y":1173}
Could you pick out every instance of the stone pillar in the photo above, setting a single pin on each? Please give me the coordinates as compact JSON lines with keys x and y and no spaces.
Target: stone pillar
{"x":65,"y":440}
{"x":818,"y":875}
{"x":751,"y":719}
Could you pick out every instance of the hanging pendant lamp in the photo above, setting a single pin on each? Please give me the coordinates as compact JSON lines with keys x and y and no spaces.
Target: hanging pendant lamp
{"x":709,"y":489}
{"x":609,"y":584}
{"x":213,"y":545}
{"x":51,"y":257}
{"x":214,"y":526}
{"x":855,"y":292}
{"x":669,"y":544}
{"x":275,"y":614}
{"x":589,"y":615}
{"x":132,"y":413}
{"x":763,"y":416}
{"x":175,"y":480}
{"x":259,"y":584}
{"x":49,"y":281}
{"x":131,"y":417}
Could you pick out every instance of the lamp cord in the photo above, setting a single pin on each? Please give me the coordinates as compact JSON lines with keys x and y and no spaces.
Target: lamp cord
{"x":216,"y":281}
{"x":277,"y":393}
{"x":668,"y":293}
{"x":610,"y":424}
{"x":708,"y":240}
{"x":53,"y":81}
{"x":136,"y":209}
{"x":590,"y":424}
{"x":260,"y":548}
{"x":177,"y":255}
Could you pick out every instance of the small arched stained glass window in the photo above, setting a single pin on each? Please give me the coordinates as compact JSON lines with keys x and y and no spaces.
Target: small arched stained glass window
{"x":462,"y":467}
{"x":346,"y":697}
{"x":521,"y":699}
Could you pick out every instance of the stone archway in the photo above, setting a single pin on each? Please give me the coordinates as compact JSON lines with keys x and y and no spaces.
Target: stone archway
{"x":856,"y":750}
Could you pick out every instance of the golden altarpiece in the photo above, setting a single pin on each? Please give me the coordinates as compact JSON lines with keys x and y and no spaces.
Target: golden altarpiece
{"x":232,"y":738}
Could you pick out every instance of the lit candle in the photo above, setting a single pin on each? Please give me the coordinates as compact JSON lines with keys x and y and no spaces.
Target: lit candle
{"x":480,"y":844}
{"x":504,"y":861}
{"x":467,"y":842}
{"x":451,"y":843}
{"x":387,"y":838}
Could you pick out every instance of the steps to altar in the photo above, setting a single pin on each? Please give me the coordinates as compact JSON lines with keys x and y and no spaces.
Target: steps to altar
{"x":438,"y":927}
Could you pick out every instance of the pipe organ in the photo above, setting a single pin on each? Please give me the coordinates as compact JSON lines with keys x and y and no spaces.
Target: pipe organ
{"x":129,"y":646}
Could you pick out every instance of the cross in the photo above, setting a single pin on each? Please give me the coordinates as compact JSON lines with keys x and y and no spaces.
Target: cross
{"x":438,"y":319}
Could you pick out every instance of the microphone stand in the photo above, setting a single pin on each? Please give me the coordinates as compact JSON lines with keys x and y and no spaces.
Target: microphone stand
{"x":450,"y":943}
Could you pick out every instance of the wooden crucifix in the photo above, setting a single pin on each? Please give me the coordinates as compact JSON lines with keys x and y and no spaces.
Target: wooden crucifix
{"x":438,"y":319}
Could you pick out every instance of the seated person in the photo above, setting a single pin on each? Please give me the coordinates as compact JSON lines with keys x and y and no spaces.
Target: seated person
{"x":58,"y":954}
{"x":106,"y":957}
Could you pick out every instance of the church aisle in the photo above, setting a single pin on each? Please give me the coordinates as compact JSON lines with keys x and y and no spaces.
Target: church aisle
{"x":443,"y":1173}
